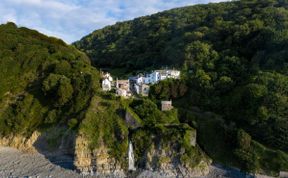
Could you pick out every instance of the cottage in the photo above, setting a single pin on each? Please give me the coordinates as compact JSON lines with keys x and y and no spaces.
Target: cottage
{"x":123,"y":93}
{"x":106,"y":81}
{"x":123,"y":84}
{"x":164,"y":74}
{"x":106,"y":85}
{"x":152,"y":78}
{"x":142,"y":89}
{"x":159,"y":75}
{"x":166,"y":105}
{"x":123,"y":88}
{"x":106,"y":75}
{"x":139,"y":79}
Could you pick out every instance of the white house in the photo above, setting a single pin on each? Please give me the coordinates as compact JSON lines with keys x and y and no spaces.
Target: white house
{"x":140,"y":80}
{"x":152,"y":78}
{"x":142,"y":89}
{"x":158,"y":75}
{"x":106,"y":85}
{"x":106,"y":81}
{"x":106,"y":76}
{"x":164,"y":74}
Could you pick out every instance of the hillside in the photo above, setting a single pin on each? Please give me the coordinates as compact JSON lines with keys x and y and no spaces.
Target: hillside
{"x":233,"y":58}
{"x":243,"y":29}
{"x":51,"y":102}
{"x":43,"y":81}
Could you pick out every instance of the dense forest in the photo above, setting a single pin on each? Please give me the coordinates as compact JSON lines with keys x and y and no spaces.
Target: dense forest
{"x":44,"y":82}
{"x":233,"y":58}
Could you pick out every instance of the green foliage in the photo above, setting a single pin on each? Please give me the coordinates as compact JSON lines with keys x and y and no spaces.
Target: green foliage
{"x":50,"y":84}
{"x":65,"y":91}
{"x":196,"y":35}
{"x":59,"y":87}
{"x":171,"y":138}
{"x":243,"y":139}
{"x":234,"y":147}
{"x":43,"y":81}
{"x":103,"y":125}
{"x":72,"y":123}
{"x":168,"y":89}
{"x":151,"y":115}
{"x":261,"y":107}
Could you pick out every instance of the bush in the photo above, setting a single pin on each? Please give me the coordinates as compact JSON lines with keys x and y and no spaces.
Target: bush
{"x":72,"y":123}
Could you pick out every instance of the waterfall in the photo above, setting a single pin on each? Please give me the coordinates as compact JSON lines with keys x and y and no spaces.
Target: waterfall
{"x":131,"y":162}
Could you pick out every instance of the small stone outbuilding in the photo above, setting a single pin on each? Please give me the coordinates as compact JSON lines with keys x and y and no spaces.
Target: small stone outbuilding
{"x":166,"y":105}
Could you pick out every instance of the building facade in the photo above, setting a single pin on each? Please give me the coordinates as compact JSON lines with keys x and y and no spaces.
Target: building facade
{"x":159,"y":75}
{"x":106,"y":81}
{"x":123,"y":88}
{"x":106,"y":85}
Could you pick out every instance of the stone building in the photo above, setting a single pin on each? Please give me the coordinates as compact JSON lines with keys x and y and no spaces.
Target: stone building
{"x":142,"y":89}
{"x":166,"y":105}
{"x":123,"y":88}
{"x":123,"y":84}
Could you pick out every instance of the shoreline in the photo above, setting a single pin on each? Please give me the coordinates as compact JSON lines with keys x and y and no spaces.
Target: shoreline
{"x":14,"y":163}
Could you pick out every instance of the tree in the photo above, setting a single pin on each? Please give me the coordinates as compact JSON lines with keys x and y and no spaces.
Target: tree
{"x":59,"y":87}
{"x":65,"y":91}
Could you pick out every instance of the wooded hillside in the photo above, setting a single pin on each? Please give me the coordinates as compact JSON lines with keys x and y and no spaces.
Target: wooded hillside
{"x":233,"y":58}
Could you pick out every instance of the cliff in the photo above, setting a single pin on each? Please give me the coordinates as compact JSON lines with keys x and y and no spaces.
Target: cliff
{"x":96,"y":161}
{"x":168,"y":163}
{"x":21,"y":142}
{"x":169,"y":158}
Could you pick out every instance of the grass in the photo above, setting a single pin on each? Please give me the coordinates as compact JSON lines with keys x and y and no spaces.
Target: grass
{"x":104,"y":124}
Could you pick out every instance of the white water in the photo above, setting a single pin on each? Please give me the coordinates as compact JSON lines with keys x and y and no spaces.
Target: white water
{"x":131,"y":162}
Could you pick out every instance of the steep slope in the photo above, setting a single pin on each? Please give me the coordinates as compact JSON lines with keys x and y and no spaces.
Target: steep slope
{"x":233,"y":58}
{"x":43,"y":81}
{"x":242,"y":29}
{"x":51,"y":102}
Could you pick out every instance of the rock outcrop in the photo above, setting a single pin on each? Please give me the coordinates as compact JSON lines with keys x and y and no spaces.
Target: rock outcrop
{"x":166,"y":158}
{"x":96,"y":161}
{"x":21,"y":142}
{"x":162,"y":159}
{"x":132,"y":120}
{"x":168,"y":163}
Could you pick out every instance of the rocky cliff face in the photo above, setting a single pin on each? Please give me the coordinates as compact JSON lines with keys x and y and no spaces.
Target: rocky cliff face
{"x":96,"y":161}
{"x":168,"y":163}
{"x":164,"y":158}
{"x":21,"y":142}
